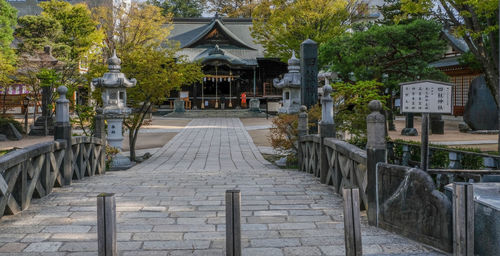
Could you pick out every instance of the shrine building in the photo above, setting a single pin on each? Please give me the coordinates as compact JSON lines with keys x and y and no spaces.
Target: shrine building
{"x":234,"y":65}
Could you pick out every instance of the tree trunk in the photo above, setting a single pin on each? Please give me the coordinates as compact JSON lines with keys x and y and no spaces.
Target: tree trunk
{"x":131,"y":143}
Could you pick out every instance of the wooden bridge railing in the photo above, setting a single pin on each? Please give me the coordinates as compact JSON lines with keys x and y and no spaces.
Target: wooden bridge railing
{"x":33,"y":172}
{"x":29,"y":173}
{"x":346,"y":163}
{"x":88,"y":156}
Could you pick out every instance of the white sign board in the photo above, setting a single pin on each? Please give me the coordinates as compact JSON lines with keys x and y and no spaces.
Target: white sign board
{"x":184,"y":94}
{"x":426,"y":97}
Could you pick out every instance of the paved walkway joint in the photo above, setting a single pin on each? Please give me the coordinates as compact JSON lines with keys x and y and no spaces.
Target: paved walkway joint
{"x":173,"y":204}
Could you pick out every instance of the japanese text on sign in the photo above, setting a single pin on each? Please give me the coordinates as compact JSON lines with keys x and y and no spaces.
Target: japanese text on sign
{"x":426,"y":97}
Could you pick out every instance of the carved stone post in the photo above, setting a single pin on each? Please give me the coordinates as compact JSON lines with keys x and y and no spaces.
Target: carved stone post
{"x":376,"y":152}
{"x":303,"y":130}
{"x":100,"y":126}
{"x":326,"y":130}
{"x":62,"y":131}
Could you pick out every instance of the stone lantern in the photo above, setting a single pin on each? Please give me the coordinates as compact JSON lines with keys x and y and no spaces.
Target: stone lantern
{"x":114,"y":98}
{"x":290,"y":84}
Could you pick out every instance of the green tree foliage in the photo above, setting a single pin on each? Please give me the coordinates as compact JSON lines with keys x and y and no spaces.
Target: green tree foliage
{"x":351,"y":104}
{"x":36,"y":32}
{"x":141,"y":42}
{"x":402,"y":52}
{"x":79,"y":30}
{"x":476,"y":21}
{"x":233,"y":8}
{"x":180,"y":8}
{"x":281,"y":26}
{"x":8,"y":16}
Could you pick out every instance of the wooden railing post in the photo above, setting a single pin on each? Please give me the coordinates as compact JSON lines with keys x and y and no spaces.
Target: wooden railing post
{"x":463,"y":219}
{"x":233,"y":223}
{"x":352,"y":227}
{"x":326,"y":130}
{"x":106,"y":225}
{"x":302,"y":131}
{"x":62,"y":130}
{"x":376,"y":152}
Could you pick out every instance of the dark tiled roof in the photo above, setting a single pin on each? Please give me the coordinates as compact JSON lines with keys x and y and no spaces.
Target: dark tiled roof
{"x":188,"y":31}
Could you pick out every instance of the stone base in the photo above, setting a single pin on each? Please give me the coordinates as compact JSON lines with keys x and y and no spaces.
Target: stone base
{"x":121,"y":162}
{"x":409,"y":132}
{"x":179,"y":106}
{"x":255,"y":105}
{"x":38,"y":128}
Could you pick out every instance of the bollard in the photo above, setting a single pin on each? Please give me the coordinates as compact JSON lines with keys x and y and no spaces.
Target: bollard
{"x":463,"y":219}
{"x":106,"y":225}
{"x":352,"y":228}
{"x":326,"y":130}
{"x":233,"y":223}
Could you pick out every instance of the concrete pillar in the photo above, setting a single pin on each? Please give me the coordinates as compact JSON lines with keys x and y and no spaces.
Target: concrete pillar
{"x":326,"y":129}
{"x":62,"y":131}
{"x":376,"y":152}
{"x":302,"y":130}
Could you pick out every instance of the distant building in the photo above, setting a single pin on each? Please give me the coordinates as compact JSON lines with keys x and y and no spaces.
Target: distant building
{"x":234,"y":65}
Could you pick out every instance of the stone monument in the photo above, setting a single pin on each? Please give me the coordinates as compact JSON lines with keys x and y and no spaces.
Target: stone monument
{"x":114,"y":98}
{"x":481,"y":108}
{"x":290,"y":84}
{"x":309,"y":72}
{"x":44,"y":125}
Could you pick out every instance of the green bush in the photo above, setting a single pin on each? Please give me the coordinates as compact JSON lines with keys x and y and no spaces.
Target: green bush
{"x":469,"y":161}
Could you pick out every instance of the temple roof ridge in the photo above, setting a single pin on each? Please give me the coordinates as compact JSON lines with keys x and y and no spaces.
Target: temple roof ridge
{"x":217,"y":22}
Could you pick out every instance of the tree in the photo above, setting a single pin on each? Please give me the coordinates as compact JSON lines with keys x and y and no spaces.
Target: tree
{"x":402,"y":52}
{"x":477,"y":22}
{"x":140,"y":38}
{"x":390,"y":54}
{"x":474,"y":21}
{"x":35,"y":32}
{"x":8,"y":17}
{"x":180,"y":8}
{"x":233,"y":8}
{"x":281,"y":26}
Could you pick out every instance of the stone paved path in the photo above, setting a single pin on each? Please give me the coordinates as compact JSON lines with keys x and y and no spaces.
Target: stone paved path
{"x":173,"y":204}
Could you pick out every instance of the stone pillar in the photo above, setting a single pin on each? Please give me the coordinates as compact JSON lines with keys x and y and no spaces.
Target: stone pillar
{"x":302,"y":131}
{"x":376,"y":152}
{"x":309,"y":72}
{"x":437,"y":124}
{"x":326,"y":129}
{"x":62,"y":131}
{"x":100,"y":127}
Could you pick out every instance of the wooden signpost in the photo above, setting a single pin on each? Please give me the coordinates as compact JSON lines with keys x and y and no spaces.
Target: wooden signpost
{"x":426,"y":97}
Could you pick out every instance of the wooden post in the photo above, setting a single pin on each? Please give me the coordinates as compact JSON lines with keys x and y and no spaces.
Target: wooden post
{"x":424,"y":151}
{"x":233,"y":223}
{"x":463,"y":219}
{"x":326,"y":130}
{"x":376,"y":151}
{"x":106,"y":225}
{"x":352,"y":227}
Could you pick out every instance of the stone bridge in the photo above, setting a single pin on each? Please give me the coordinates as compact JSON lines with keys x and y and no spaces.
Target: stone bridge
{"x":173,"y":204}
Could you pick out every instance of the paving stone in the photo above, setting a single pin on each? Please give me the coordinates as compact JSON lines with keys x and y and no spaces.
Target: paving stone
{"x":262,"y":252}
{"x":43,"y":247}
{"x":13,"y":247}
{"x":302,"y":251}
